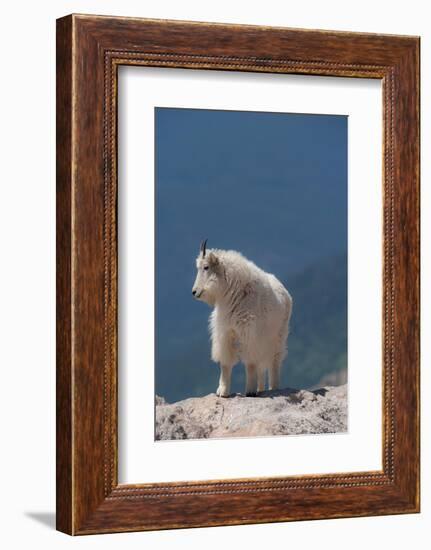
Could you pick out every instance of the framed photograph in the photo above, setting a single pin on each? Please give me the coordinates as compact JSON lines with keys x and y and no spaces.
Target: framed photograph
{"x":237,"y":274}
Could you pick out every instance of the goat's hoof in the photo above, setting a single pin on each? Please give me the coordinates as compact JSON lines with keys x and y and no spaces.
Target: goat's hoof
{"x":222,"y":393}
{"x":251,"y":394}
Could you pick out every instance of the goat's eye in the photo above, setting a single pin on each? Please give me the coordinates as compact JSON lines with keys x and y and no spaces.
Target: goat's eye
{"x":205,"y":268}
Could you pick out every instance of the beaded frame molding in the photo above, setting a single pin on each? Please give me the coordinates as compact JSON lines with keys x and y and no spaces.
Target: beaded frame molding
{"x":89,"y":51}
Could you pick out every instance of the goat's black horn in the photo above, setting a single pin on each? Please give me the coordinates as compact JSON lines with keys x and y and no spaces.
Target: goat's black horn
{"x":204,"y":247}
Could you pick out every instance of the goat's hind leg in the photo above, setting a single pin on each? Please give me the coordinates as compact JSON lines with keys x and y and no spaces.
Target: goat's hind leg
{"x":261,"y":380}
{"x":274,"y":373}
{"x":251,"y":380}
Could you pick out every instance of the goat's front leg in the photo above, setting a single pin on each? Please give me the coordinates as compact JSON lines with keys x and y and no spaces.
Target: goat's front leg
{"x":223,"y":389}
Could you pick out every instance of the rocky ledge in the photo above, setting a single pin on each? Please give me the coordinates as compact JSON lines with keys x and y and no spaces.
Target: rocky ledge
{"x":280,"y":412}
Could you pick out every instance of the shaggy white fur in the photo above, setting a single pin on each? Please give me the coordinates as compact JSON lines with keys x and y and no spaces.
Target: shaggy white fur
{"x":250,"y":320}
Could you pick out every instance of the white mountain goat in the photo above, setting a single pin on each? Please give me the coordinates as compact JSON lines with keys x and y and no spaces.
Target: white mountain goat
{"x":250,"y":320}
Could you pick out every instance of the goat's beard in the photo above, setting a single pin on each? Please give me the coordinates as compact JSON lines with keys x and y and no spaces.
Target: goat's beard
{"x":208,"y":297}
{"x":210,"y":300}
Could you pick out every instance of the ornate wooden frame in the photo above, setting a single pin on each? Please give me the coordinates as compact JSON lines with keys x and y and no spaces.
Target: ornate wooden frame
{"x":89,"y":51}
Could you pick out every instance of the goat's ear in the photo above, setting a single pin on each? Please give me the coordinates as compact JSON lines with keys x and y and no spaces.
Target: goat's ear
{"x":212,"y":259}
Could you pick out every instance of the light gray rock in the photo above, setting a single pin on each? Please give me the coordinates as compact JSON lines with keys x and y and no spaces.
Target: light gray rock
{"x":281,"y":412}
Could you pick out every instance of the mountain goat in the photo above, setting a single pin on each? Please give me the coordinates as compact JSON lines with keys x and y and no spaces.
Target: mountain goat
{"x":250,"y":320}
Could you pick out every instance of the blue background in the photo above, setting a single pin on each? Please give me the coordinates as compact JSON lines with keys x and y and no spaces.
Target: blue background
{"x":273,"y":186}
